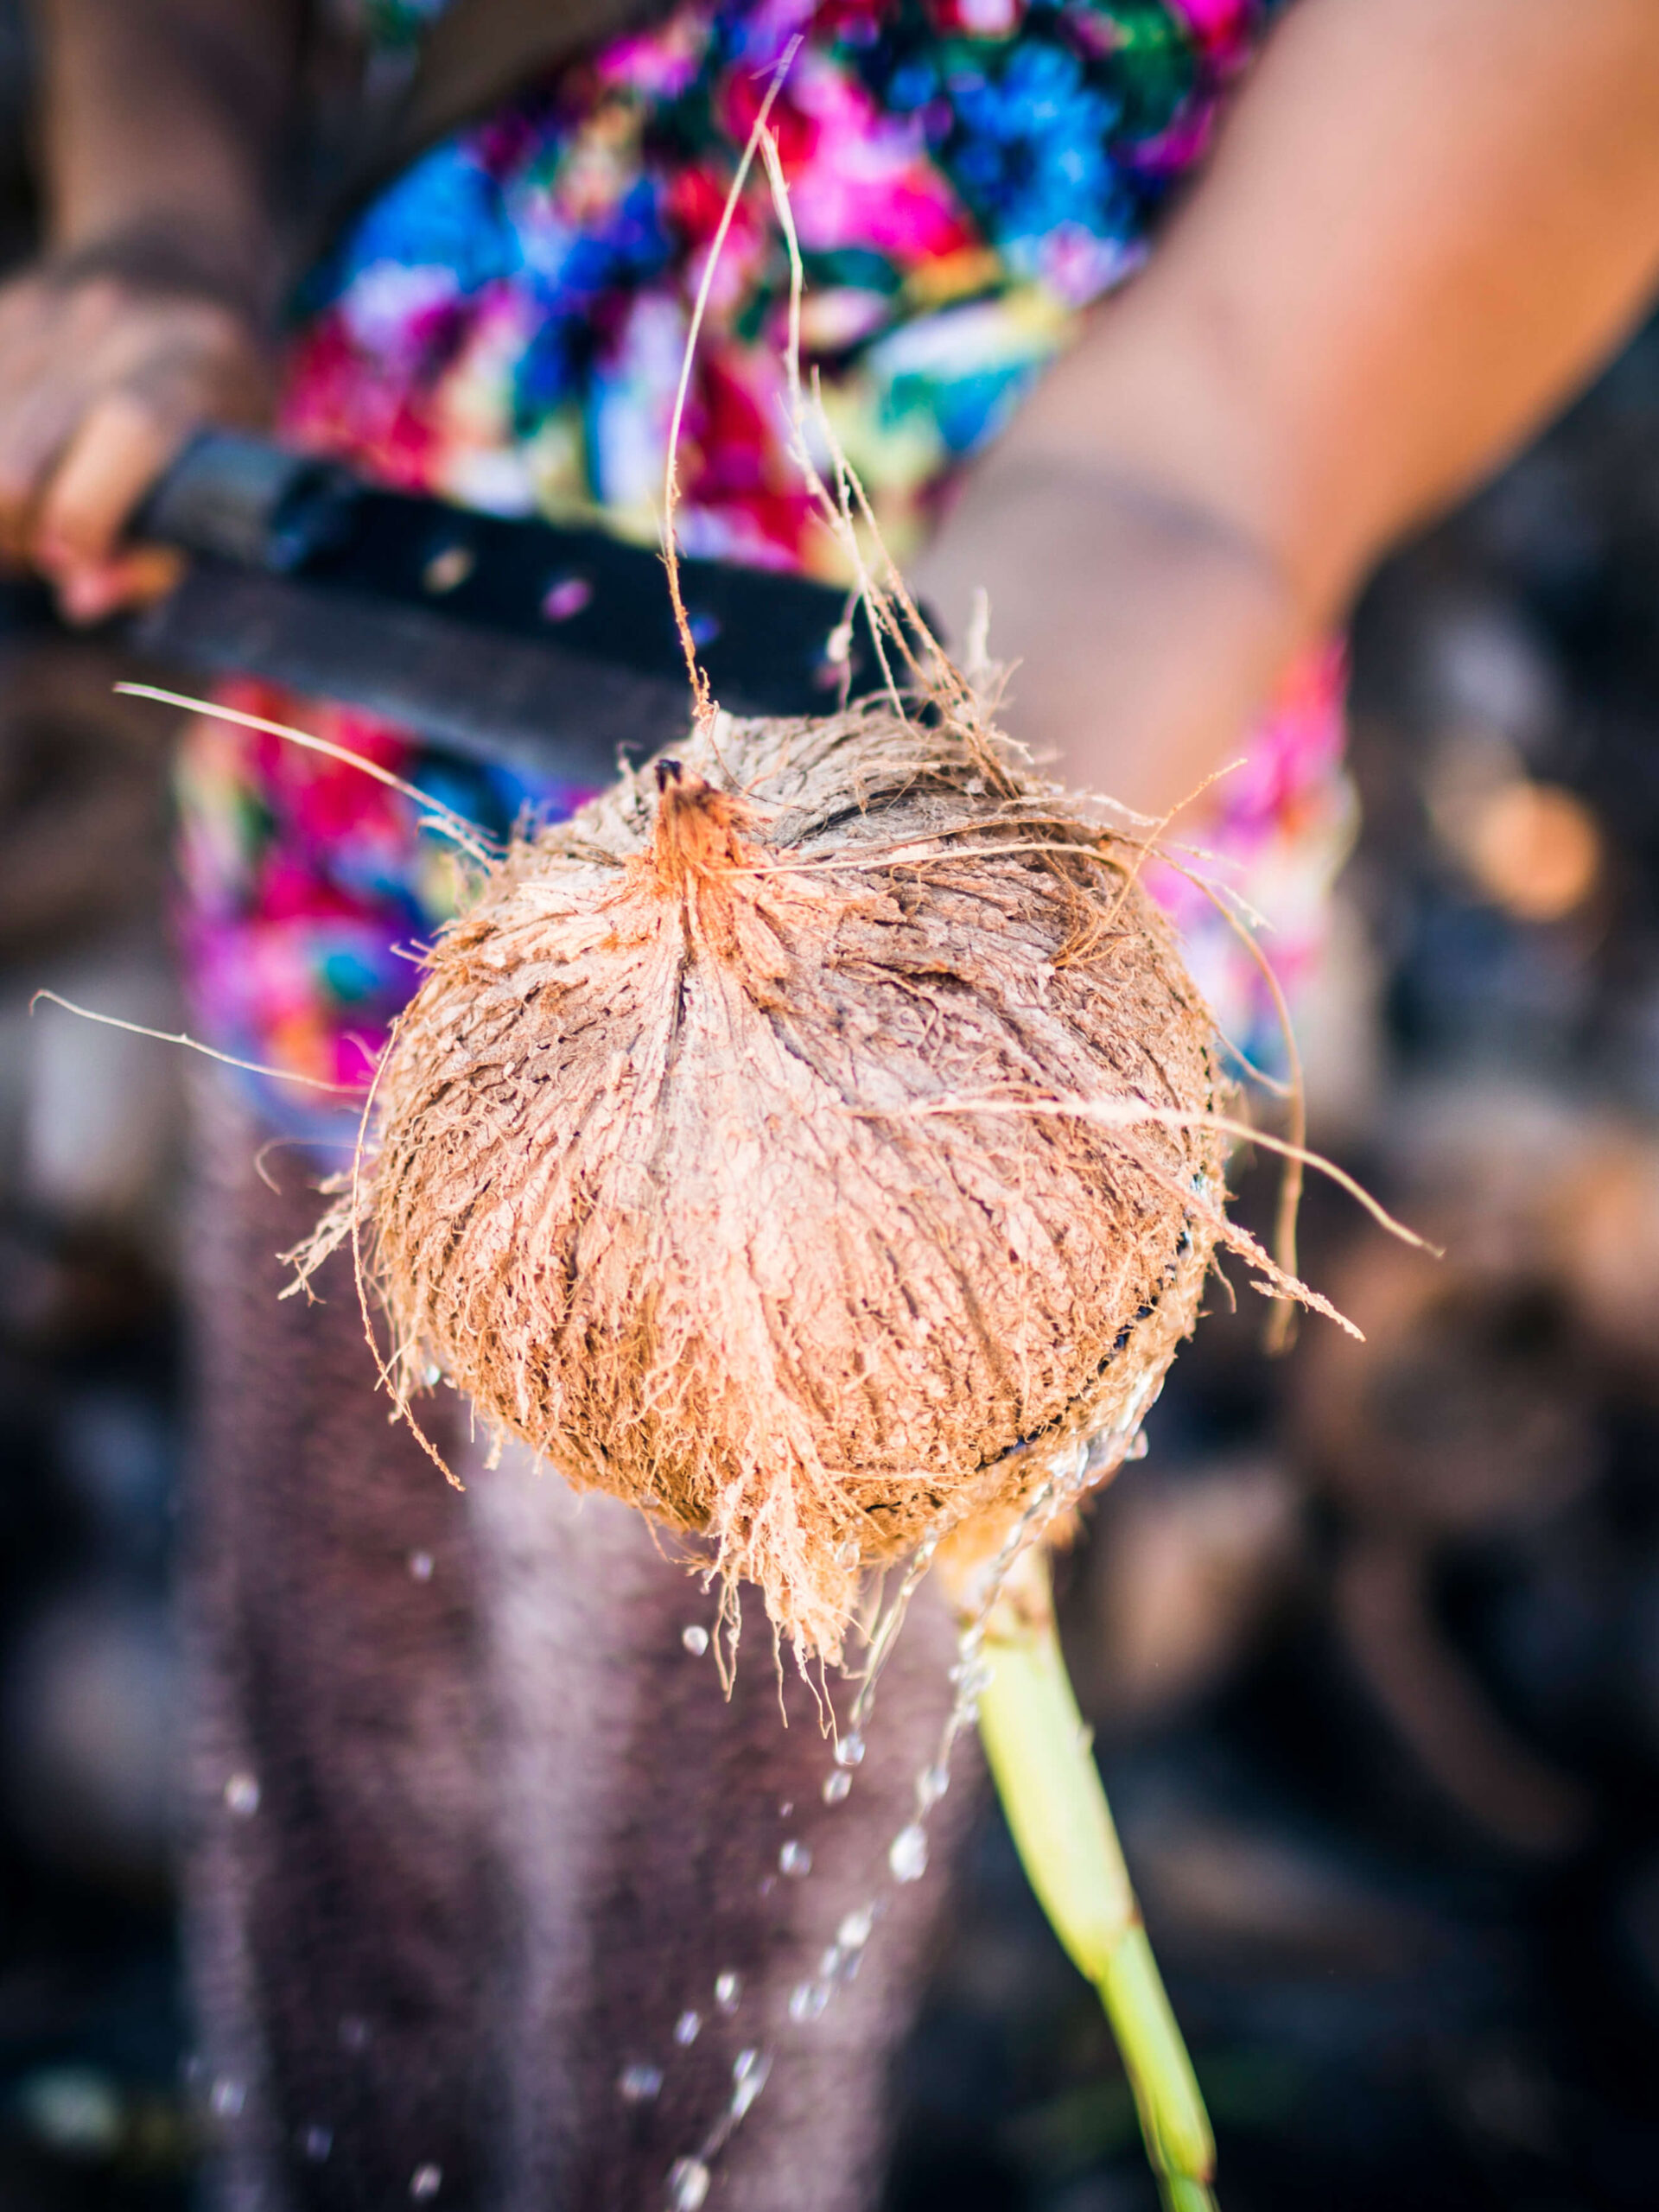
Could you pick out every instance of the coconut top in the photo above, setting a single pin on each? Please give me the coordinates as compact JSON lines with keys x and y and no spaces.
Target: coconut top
{"x":701,"y":1162}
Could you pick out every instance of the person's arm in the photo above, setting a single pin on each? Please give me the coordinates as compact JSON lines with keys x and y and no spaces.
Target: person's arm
{"x":161,"y":123}
{"x":1425,"y":222}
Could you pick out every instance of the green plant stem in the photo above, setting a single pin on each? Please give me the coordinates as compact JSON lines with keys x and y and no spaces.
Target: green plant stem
{"x":1040,"y":1758}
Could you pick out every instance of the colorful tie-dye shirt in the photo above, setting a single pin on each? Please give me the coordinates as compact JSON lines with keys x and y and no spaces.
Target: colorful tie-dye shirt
{"x":504,"y":327}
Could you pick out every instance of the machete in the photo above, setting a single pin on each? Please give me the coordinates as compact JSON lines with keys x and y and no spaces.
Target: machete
{"x":545,"y":647}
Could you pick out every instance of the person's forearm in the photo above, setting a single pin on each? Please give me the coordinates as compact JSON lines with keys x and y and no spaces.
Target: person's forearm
{"x":1425,"y":222}
{"x":163,"y":122}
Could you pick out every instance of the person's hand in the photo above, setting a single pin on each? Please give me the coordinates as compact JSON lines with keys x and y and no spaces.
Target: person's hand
{"x":109,"y":361}
{"x":1142,"y":632}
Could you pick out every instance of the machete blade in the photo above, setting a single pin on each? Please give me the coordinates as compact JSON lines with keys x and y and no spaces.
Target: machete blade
{"x":548,"y":647}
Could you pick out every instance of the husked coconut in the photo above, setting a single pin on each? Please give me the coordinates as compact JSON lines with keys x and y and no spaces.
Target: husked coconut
{"x":699,"y":1160}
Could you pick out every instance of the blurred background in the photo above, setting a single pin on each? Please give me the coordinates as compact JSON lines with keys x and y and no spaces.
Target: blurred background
{"x":1369,"y":1642}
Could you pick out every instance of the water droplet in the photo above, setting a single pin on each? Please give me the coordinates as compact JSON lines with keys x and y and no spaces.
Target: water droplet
{"x":836,"y":1786}
{"x":786,"y":1808}
{"x":317,"y":2143}
{"x":419,"y":1566}
{"x":354,"y":2032}
{"x":1138,"y":1446}
{"x":695,"y":1639}
{"x":849,"y":1752}
{"x":768,"y":1883}
{"x":807,"y":2000}
{"x":431,"y":1375}
{"x":228,"y":2096}
{"x":728,"y":1989}
{"x":853,"y":1932}
{"x":749,"y":2078}
{"x":847,"y":1554}
{"x":425,"y":2183}
{"x":685,"y":2029}
{"x":688,"y":2184}
{"x":242,"y":1795}
{"x":931,"y":1784}
{"x":638,"y":2085}
{"x":908,"y":1858}
{"x":795,"y":1859}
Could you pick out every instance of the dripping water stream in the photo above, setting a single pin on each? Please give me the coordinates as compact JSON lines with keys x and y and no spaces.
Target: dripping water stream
{"x":1069,"y":1475}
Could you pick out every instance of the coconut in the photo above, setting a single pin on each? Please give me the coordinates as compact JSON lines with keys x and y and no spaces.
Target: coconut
{"x":710,"y":1158}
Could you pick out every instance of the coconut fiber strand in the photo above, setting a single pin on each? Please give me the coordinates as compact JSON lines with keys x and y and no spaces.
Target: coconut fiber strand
{"x":669,"y":1173}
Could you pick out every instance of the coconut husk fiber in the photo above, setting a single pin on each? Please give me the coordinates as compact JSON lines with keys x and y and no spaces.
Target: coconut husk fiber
{"x":671,"y":1170}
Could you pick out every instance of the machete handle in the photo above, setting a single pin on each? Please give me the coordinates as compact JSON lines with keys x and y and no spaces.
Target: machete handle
{"x":244,"y":500}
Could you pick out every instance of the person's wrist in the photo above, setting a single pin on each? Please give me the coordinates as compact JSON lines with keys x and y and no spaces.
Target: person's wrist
{"x":1142,"y":627}
{"x":1161,"y":396}
{"x":1142,"y":498}
{"x":1031,"y":523}
{"x":161,"y":257}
